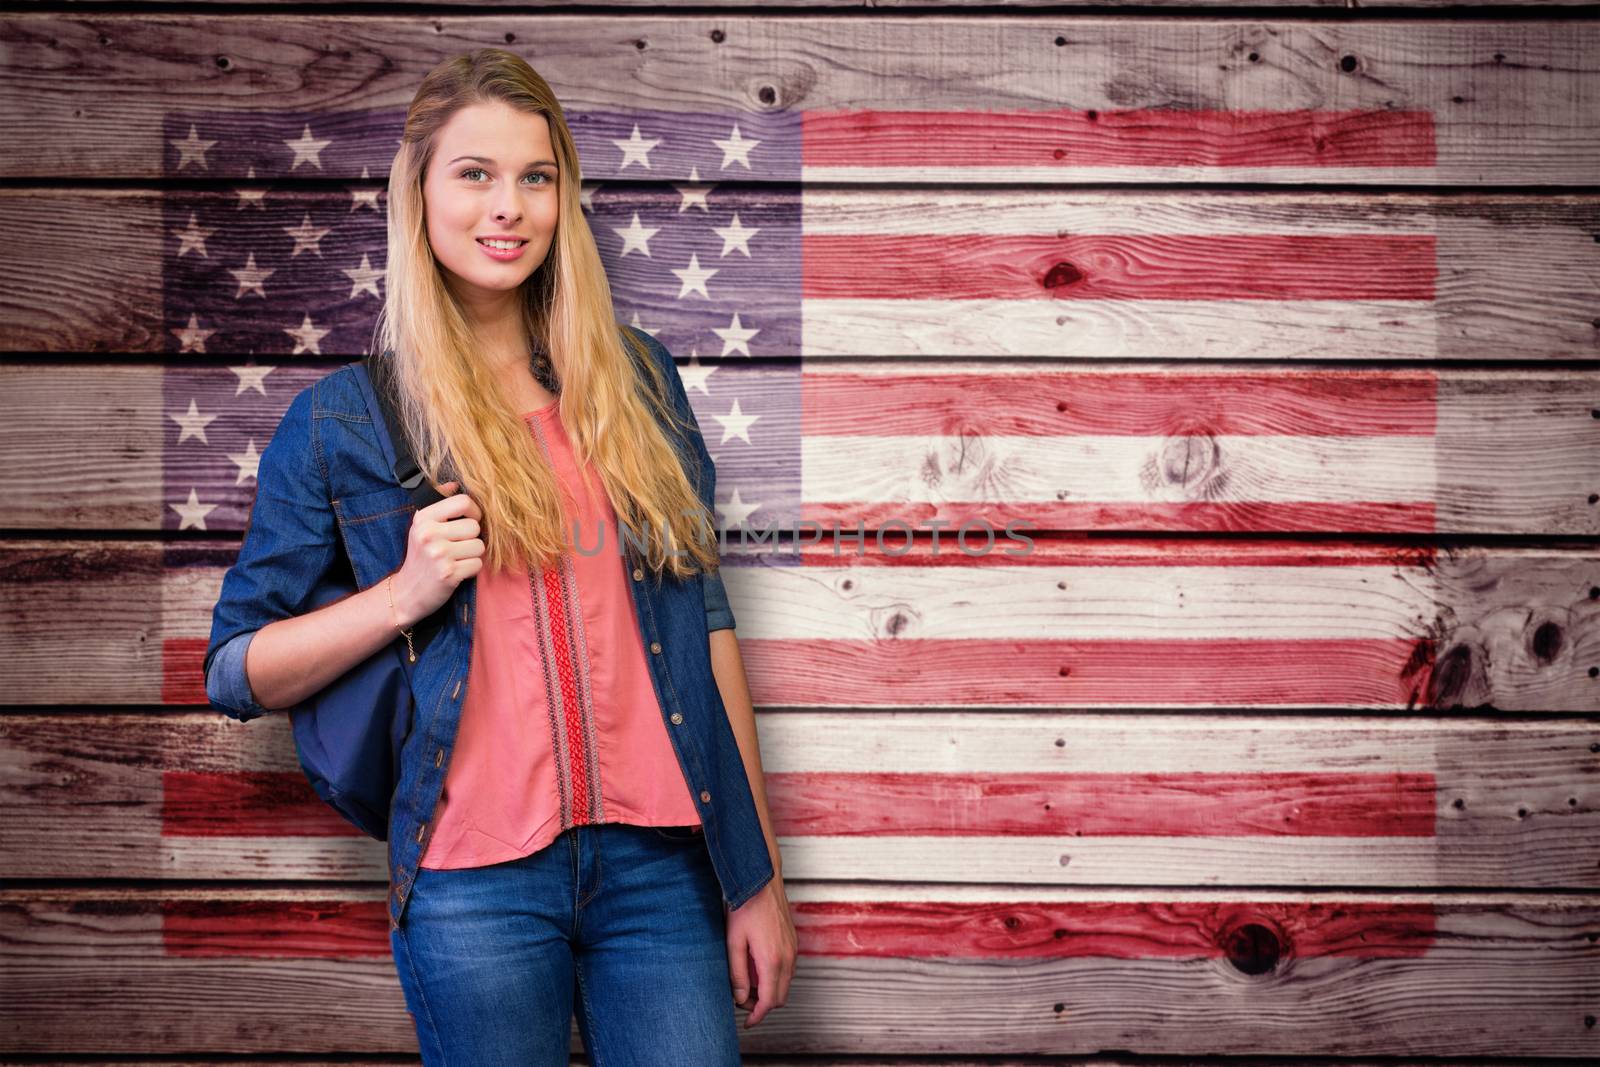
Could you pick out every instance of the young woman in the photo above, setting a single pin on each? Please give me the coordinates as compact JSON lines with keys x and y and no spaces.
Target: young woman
{"x":580,"y":818}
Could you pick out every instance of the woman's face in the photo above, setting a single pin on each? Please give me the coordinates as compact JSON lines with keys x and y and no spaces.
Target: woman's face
{"x":493,"y":174}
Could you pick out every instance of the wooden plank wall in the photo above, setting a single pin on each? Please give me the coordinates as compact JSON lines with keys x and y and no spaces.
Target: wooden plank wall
{"x":1281,"y":329}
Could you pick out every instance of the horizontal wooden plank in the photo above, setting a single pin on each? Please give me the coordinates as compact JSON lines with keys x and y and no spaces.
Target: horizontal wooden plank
{"x":1094,"y":623}
{"x":1085,"y":98}
{"x":1018,"y":5}
{"x":1044,"y":798}
{"x":873,"y":272}
{"x":779,"y":1060}
{"x":1171,"y":447}
{"x":898,"y":968}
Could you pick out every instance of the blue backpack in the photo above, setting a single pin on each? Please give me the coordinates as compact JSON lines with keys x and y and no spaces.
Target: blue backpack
{"x":349,"y":734}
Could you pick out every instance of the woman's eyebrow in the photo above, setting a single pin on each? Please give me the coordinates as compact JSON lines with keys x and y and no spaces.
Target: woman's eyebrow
{"x":486,"y":159}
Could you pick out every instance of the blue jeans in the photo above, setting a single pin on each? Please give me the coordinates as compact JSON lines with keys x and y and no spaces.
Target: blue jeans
{"x":627,"y":918}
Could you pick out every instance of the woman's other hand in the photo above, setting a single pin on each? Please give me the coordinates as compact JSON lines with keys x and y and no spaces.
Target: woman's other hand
{"x":761,"y":951}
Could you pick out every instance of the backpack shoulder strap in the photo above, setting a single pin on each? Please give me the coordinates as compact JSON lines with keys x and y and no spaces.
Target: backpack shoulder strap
{"x":372,"y":373}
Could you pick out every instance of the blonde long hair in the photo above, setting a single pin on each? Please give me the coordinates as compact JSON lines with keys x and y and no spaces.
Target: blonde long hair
{"x":461,"y":426}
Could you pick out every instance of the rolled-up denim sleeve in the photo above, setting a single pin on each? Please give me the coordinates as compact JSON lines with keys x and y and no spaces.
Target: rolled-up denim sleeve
{"x":719,"y":614}
{"x":290,"y":544}
{"x":227,"y":684}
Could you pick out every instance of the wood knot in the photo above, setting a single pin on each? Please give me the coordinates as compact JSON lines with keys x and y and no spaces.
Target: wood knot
{"x":1253,"y":948}
{"x":1061,"y":275}
{"x":1547,"y":641}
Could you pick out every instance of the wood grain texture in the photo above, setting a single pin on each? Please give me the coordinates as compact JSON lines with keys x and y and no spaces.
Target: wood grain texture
{"x":1005,"y":971}
{"x":1113,"y":447}
{"x":995,"y":272}
{"x":1496,"y":101}
{"x":1298,"y":776}
{"x":1140,"y":623}
{"x":1046,"y":798}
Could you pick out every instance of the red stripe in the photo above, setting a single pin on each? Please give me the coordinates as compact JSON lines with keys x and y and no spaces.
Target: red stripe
{"x":1243,"y":930}
{"x":1232,"y":517}
{"x":1066,"y":403}
{"x":1089,"y":550}
{"x":1254,"y":934}
{"x":182,"y":680}
{"x":1336,"y":672}
{"x":566,"y":673}
{"x":320,"y":929}
{"x":1148,"y":137}
{"x":1116,"y":267}
{"x":1195,"y":804}
{"x":246,"y":804}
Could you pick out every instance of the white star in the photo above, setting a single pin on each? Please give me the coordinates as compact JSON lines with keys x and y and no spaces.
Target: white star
{"x":735,"y":236}
{"x":193,"y":236}
{"x":735,"y":149}
{"x":191,"y":150}
{"x":194,"y":513}
{"x":192,"y":423}
{"x":636,"y":237}
{"x":250,"y":277}
{"x":695,"y":374}
{"x":636,"y":326}
{"x":252,"y":376}
{"x":364,"y":279}
{"x":307,"y":149}
{"x":360,"y":198}
{"x":735,"y":424}
{"x":307,"y":338}
{"x":694,"y":192}
{"x":192,"y":337}
{"x":636,"y":149}
{"x":586,"y":193}
{"x":694,"y":278}
{"x":249,"y":462}
{"x":735,"y":513}
{"x":256,"y":197}
{"x":306,"y":236}
{"x":735,"y":337}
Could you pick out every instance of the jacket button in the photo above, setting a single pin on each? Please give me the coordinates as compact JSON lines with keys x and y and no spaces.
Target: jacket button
{"x":705,"y":797}
{"x":655,"y":646}
{"x":638,"y":574}
{"x":438,"y":757}
{"x":420,"y":831}
{"x":677,"y":720}
{"x":465,"y":612}
{"x":456,"y":690}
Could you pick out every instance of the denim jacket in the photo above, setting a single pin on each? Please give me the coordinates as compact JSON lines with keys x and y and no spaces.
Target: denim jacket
{"x":325,"y":478}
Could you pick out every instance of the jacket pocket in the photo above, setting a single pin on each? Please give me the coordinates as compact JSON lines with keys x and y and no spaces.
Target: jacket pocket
{"x":680,"y":834}
{"x":375,"y":527}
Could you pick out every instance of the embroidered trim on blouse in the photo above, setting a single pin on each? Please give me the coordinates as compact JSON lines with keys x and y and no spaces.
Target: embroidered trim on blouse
{"x":569,"y":690}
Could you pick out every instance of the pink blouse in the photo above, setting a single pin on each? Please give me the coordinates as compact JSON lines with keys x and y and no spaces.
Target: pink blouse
{"x":560,"y":725}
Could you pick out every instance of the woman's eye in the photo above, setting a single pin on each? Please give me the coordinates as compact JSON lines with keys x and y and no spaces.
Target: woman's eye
{"x":544,"y":178}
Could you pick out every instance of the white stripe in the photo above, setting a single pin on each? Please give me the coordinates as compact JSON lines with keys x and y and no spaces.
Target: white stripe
{"x":1154,"y":860}
{"x":860,"y":741}
{"x":1122,"y":329}
{"x":352,"y":857}
{"x":1163,"y":603}
{"x":1070,"y":213}
{"x":1117,"y":469}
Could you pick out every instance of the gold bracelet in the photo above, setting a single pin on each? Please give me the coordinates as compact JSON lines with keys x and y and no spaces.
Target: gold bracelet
{"x":410,"y":652}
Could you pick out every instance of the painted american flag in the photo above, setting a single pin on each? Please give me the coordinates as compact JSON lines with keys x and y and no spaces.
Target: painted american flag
{"x":714,"y":242}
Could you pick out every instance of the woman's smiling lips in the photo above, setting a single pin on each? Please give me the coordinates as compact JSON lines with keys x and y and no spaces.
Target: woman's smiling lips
{"x":502,"y":254}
